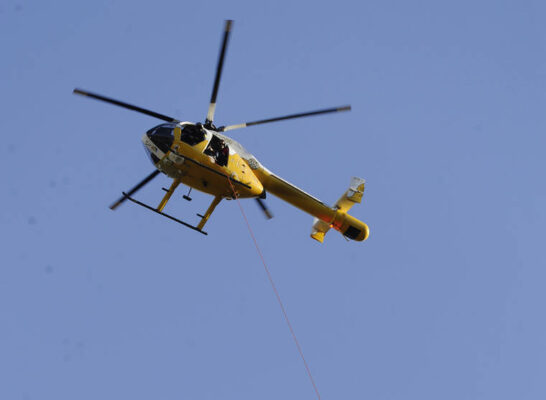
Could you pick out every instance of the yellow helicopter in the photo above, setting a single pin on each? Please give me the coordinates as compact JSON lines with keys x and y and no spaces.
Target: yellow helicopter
{"x":201,"y":157}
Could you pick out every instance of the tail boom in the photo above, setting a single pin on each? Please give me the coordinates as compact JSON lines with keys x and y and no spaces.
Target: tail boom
{"x":326,"y":217}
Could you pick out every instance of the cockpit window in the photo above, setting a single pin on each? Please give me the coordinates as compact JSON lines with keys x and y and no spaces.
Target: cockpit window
{"x":192,"y":134}
{"x":166,"y":131}
{"x":162,"y":136}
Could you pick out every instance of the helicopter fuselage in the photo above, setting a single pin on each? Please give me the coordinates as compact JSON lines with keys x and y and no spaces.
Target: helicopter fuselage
{"x":202,"y":159}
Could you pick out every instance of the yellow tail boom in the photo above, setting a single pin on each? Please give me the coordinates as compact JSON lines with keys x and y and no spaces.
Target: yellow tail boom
{"x":326,"y":217}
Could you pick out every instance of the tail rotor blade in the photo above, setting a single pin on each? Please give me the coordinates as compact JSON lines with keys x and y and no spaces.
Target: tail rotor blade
{"x":135,"y":189}
{"x":264,"y":208}
{"x":219,"y":67}
{"x":292,"y":116}
{"x":124,"y":105}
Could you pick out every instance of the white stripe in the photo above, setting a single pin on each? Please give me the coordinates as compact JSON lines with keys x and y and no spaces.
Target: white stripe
{"x":231,"y":127}
{"x":210,"y":114}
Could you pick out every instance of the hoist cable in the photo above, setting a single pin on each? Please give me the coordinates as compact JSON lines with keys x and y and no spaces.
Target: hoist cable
{"x":270,"y":277}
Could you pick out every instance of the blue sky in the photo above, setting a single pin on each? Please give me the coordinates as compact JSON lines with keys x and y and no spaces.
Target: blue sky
{"x":445,"y":299}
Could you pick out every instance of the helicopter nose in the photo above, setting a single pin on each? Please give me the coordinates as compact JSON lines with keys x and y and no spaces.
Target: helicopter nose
{"x":162,"y":136}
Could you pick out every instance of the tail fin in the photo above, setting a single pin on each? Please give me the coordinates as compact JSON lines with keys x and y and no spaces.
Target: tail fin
{"x":349,"y":226}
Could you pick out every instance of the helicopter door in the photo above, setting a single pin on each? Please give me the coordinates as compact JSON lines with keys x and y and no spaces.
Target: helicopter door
{"x":218,"y":150}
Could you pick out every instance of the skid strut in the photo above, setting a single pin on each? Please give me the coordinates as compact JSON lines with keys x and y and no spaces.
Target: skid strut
{"x":205,"y":218}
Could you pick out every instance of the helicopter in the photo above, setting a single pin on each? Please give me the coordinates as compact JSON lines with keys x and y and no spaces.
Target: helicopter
{"x":201,"y":156}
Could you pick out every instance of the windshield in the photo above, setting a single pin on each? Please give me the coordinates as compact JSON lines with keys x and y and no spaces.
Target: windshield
{"x":162,"y":136}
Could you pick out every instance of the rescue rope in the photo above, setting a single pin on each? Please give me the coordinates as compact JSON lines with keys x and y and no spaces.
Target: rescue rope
{"x":277,"y":295}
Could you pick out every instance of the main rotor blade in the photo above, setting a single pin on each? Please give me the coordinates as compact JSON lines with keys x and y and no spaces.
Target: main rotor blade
{"x":266,"y":121}
{"x":219,"y":67}
{"x":124,"y":105}
{"x":135,"y":189}
{"x":264,"y":208}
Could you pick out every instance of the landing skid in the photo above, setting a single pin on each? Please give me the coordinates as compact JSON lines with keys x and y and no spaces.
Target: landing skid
{"x":165,"y":215}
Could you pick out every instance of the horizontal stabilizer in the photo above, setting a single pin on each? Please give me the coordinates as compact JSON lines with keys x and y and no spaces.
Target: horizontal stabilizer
{"x":352,"y":196}
{"x":319,"y":229}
